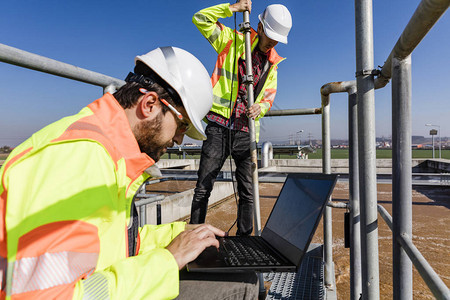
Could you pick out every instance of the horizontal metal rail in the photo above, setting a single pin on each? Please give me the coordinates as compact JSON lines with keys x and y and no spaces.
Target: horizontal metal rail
{"x":426,"y":15}
{"x":147,"y":199}
{"x":36,"y":62}
{"x":431,"y":278}
{"x":142,"y":205}
{"x":293,"y":112}
{"x":336,"y":204}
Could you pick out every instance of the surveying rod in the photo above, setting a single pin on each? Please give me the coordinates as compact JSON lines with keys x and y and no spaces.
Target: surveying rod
{"x":248,"y":80}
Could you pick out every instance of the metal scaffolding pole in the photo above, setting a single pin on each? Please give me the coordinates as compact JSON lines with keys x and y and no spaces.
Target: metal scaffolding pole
{"x":327,"y":216}
{"x":293,"y":112}
{"x":355,"y":239}
{"x":251,"y":123}
{"x":367,"y":149}
{"x":248,"y":80}
{"x":426,"y":15}
{"x":36,"y":62}
{"x":355,"y":227}
{"x":401,"y":174}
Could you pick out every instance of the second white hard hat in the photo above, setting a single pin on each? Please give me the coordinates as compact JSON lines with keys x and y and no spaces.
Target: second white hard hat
{"x":189,"y":78}
{"x":277,"y":22}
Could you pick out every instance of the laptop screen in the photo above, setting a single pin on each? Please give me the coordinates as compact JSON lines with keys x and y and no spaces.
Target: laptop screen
{"x":298,"y":209}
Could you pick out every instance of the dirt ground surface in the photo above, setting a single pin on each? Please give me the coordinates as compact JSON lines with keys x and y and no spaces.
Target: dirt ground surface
{"x":431,"y":231}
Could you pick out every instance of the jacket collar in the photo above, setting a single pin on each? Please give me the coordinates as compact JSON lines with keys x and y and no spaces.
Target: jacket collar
{"x":272,"y":55}
{"x":116,"y":127}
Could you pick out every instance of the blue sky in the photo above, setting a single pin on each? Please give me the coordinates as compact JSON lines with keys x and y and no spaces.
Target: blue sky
{"x":105,"y":36}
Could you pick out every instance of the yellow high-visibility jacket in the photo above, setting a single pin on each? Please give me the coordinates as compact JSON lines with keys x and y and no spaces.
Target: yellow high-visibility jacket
{"x":222,"y":38}
{"x":65,"y":200}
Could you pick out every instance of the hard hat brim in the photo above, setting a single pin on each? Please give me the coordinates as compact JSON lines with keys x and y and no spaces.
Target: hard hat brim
{"x":270,"y":33}
{"x":196,"y":131}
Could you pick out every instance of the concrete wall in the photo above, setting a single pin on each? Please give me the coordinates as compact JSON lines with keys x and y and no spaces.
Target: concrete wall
{"x":440,"y":165}
{"x":178,"y":206}
{"x":384,"y":166}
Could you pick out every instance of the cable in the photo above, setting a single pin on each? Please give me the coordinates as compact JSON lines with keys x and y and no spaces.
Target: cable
{"x":229,"y":123}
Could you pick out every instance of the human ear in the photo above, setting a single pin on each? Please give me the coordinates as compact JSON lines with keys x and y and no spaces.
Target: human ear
{"x":148,"y":104}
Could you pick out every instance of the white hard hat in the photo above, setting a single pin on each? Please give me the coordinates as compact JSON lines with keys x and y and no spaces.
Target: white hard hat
{"x":188,"y":77}
{"x":277,"y":21}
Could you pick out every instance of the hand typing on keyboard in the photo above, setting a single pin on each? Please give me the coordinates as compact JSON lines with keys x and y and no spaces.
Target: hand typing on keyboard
{"x":191,"y":242}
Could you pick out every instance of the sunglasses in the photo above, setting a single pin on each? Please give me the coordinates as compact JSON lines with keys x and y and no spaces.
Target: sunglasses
{"x":183,"y":124}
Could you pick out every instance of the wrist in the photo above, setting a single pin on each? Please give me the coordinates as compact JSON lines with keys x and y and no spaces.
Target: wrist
{"x":234,"y":7}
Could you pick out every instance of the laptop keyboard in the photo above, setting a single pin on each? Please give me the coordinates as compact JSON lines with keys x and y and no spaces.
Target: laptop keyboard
{"x":245,"y":251}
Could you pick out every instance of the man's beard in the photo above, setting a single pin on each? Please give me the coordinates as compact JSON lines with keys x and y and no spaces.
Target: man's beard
{"x":146,"y":134}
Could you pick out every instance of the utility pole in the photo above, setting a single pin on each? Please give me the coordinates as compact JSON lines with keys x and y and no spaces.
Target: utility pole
{"x":432,"y":135}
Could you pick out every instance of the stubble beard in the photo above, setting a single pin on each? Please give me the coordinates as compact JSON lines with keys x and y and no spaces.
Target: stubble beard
{"x":146,"y":134}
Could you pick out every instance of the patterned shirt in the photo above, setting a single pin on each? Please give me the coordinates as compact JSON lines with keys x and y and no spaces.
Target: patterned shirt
{"x":238,"y":119}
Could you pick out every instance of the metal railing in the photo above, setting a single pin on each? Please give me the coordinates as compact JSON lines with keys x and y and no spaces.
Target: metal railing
{"x":364,"y":273}
{"x":431,"y":278}
{"x":362,"y":189}
{"x":14,"y":56}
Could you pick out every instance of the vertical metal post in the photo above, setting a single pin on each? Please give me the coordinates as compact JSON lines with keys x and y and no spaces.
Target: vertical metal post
{"x":355,"y":230}
{"x":367,"y":149}
{"x":432,"y":143}
{"x":401,"y":175}
{"x":142,"y":215}
{"x":327,"y":215}
{"x":158,"y":213}
{"x":440,"y":143}
{"x":252,"y":131}
{"x":251,"y":124}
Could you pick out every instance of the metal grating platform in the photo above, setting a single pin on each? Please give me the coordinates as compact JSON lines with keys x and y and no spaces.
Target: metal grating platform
{"x":307,"y":283}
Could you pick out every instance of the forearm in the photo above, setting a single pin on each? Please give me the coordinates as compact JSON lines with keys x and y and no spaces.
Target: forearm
{"x":152,"y":275}
{"x":206,"y":21}
{"x":158,"y":236}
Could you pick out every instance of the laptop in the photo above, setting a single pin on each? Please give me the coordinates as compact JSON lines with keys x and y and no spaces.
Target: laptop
{"x":285,"y":237}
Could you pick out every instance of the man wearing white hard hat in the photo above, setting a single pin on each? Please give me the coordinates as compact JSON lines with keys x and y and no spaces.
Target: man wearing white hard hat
{"x":227,"y":131}
{"x":69,"y":228}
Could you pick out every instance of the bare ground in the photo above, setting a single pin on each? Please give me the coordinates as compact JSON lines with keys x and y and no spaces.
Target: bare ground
{"x":431,"y":232}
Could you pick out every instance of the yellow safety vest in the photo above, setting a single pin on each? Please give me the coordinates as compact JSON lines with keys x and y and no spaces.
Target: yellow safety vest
{"x":222,"y":38}
{"x":65,"y":199}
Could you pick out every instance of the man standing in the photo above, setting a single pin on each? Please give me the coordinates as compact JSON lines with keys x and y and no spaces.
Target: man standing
{"x":227,"y":131}
{"x":68,"y":228}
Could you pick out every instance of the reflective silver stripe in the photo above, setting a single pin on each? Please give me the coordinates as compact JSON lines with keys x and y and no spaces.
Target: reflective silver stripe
{"x":3,"y":269}
{"x":96,"y":287}
{"x":221,"y":101}
{"x":50,"y":269}
{"x":226,"y":73}
{"x":216,"y":33}
{"x":201,"y":18}
{"x":172,"y":65}
{"x":269,"y":96}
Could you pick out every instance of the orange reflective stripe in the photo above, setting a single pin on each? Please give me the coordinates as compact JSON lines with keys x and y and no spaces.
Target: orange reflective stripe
{"x":84,"y":129}
{"x":57,"y":292}
{"x":269,"y":96}
{"x":77,"y":236}
{"x":219,"y":63}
